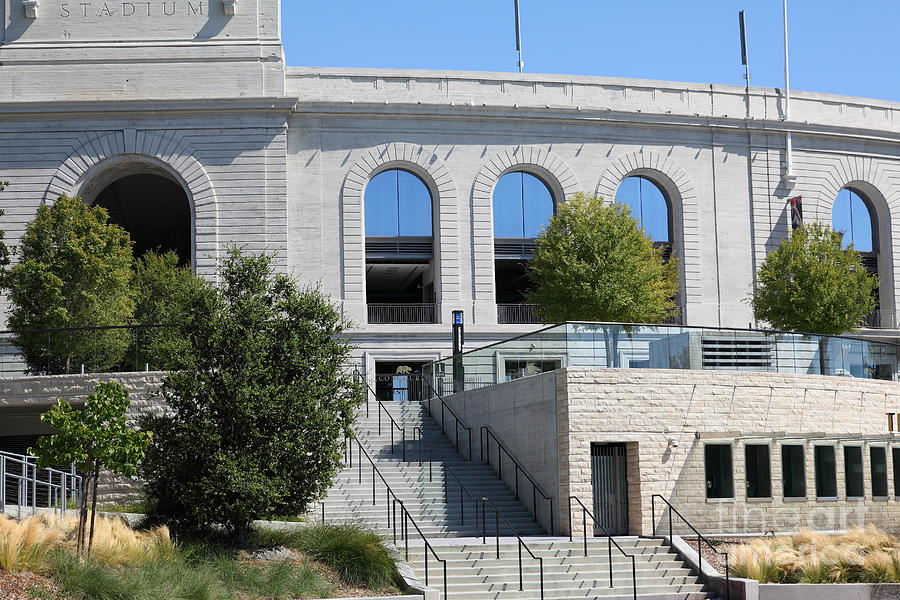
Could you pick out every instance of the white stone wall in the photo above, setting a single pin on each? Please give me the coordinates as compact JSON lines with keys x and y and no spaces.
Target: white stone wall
{"x":25,"y":398}
{"x":648,"y":408}
{"x":716,"y":151}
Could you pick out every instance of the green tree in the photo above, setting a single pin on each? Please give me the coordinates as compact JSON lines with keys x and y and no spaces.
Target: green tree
{"x":93,"y":438}
{"x":593,"y":262}
{"x":259,"y":412}
{"x":74,"y":270}
{"x":810,"y":284}
{"x":164,"y":295}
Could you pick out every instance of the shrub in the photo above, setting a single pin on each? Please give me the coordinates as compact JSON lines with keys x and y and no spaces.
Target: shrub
{"x":353,"y":551}
{"x":259,"y":414}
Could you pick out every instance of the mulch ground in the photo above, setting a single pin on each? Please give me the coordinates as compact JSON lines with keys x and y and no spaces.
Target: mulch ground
{"x":28,"y":586}
{"x":714,"y":556}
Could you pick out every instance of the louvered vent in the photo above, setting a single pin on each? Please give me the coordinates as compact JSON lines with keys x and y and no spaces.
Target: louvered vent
{"x":730,"y":353}
{"x":407,"y":247}
{"x":515,"y":249}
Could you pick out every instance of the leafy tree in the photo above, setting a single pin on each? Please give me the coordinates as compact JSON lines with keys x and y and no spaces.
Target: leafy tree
{"x":96,"y":437}
{"x":259,"y":412}
{"x":164,"y":295}
{"x":593,"y":262}
{"x":74,"y":271}
{"x":809,"y":283}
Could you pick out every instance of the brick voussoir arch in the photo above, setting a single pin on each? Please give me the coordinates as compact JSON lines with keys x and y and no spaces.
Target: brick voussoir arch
{"x":677,"y":184}
{"x":163,"y":151}
{"x":534,"y":159}
{"x":425,"y":163}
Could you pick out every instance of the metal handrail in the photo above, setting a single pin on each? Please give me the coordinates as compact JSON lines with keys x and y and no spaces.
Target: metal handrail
{"x":610,"y":542}
{"x":484,"y":441}
{"x":394,"y":424}
{"x":444,"y":408}
{"x":392,"y":500}
{"x":462,"y":488}
{"x":28,"y":482}
{"x":700,"y":539}
{"x":521,"y":543}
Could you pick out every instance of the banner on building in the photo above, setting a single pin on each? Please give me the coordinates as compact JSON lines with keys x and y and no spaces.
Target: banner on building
{"x":796,"y":204}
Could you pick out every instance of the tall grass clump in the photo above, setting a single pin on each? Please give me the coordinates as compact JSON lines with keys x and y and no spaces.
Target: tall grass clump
{"x":353,"y":551}
{"x":861,"y":555}
{"x":25,"y":545}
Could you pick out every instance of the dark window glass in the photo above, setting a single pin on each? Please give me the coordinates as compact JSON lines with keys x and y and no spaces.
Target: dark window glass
{"x":851,"y":216}
{"x":878,"y":457}
{"x":826,"y":472}
{"x":719,"y":476}
{"x":648,"y":205}
{"x":523,"y":204}
{"x":853,"y":471}
{"x":895,"y":456}
{"x":759,"y":473}
{"x":398,"y":204}
{"x":793,"y":471}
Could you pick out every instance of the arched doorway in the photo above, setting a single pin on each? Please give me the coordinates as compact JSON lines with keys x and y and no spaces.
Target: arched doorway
{"x":155,"y":211}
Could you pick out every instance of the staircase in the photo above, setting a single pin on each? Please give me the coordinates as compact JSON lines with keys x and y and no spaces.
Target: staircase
{"x":453,"y":521}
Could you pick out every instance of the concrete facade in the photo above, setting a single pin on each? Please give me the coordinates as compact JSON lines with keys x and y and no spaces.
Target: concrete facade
{"x":277,"y":158}
{"x":666,"y":417}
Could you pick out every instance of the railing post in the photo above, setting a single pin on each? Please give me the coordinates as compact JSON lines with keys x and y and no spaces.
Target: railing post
{"x":727,"y":579}
{"x":521,"y":586}
{"x":403,"y":441}
{"x":634,"y":577}
{"x":609,"y":549}
{"x":470,"y":444}
{"x":653,"y":513}
{"x":483,"y":523}
{"x":570,"y":518}
{"x":373,"y":484}
{"x":584,"y":528}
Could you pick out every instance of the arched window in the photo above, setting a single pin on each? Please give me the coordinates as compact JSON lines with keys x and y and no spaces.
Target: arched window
{"x":523,"y":204}
{"x":399,"y":249}
{"x":398,"y":204}
{"x":649,"y":205}
{"x":852,"y":216}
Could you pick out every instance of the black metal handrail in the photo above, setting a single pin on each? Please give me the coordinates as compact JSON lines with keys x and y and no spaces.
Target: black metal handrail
{"x":444,"y":408}
{"x":418,"y":438}
{"x":700,"y":539}
{"x":521,"y":543}
{"x":610,"y":542}
{"x":394,"y":424}
{"x":484,"y":441}
{"x":392,"y":500}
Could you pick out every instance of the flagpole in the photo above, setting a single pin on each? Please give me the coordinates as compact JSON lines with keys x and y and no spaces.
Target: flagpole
{"x":789,"y":177}
{"x":519,"y":38}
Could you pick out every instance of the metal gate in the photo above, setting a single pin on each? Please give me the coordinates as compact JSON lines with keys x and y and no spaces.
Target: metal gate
{"x":608,"y":475}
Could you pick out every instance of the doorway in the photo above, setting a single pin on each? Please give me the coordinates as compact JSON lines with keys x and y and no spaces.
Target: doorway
{"x":609,"y":469}
{"x":399,"y":381}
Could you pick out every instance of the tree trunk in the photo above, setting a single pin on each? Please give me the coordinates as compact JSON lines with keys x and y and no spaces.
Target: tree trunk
{"x":93,"y":509}
{"x":82,"y":514}
{"x":611,"y":341}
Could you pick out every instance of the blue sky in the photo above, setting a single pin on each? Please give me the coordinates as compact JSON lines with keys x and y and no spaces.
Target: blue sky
{"x":838,"y":46}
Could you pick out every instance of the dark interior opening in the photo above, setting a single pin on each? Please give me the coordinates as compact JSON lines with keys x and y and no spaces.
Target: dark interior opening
{"x":512,"y":280}
{"x":154,"y":210}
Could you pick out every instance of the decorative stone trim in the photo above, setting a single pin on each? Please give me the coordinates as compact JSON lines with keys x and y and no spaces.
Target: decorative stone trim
{"x":539,"y":161}
{"x":426,"y":164}
{"x":674,"y":180}
{"x":880,"y":185}
{"x":163,"y":151}
{"x":31,"y":7}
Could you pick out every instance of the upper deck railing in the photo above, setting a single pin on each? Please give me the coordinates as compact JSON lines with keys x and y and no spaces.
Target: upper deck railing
{"x":642,"y":346}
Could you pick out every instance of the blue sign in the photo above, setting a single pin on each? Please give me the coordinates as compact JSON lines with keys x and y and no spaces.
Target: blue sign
{"x":457,"y":317}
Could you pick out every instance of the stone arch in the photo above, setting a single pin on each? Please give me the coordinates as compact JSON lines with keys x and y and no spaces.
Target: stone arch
{"x":868,"y":176}
{"x":103,"y":157}
{"x":537,"y":160}
{"x":425,"y":164}
{"x":682,"y":195}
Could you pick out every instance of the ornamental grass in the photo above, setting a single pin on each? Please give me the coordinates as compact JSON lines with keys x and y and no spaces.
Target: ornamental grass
{"x":861,"y":555}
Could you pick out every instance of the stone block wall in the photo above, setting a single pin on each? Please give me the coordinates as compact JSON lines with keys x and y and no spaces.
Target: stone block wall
{"x":28,"y":397}
{"x":666,"y":417}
